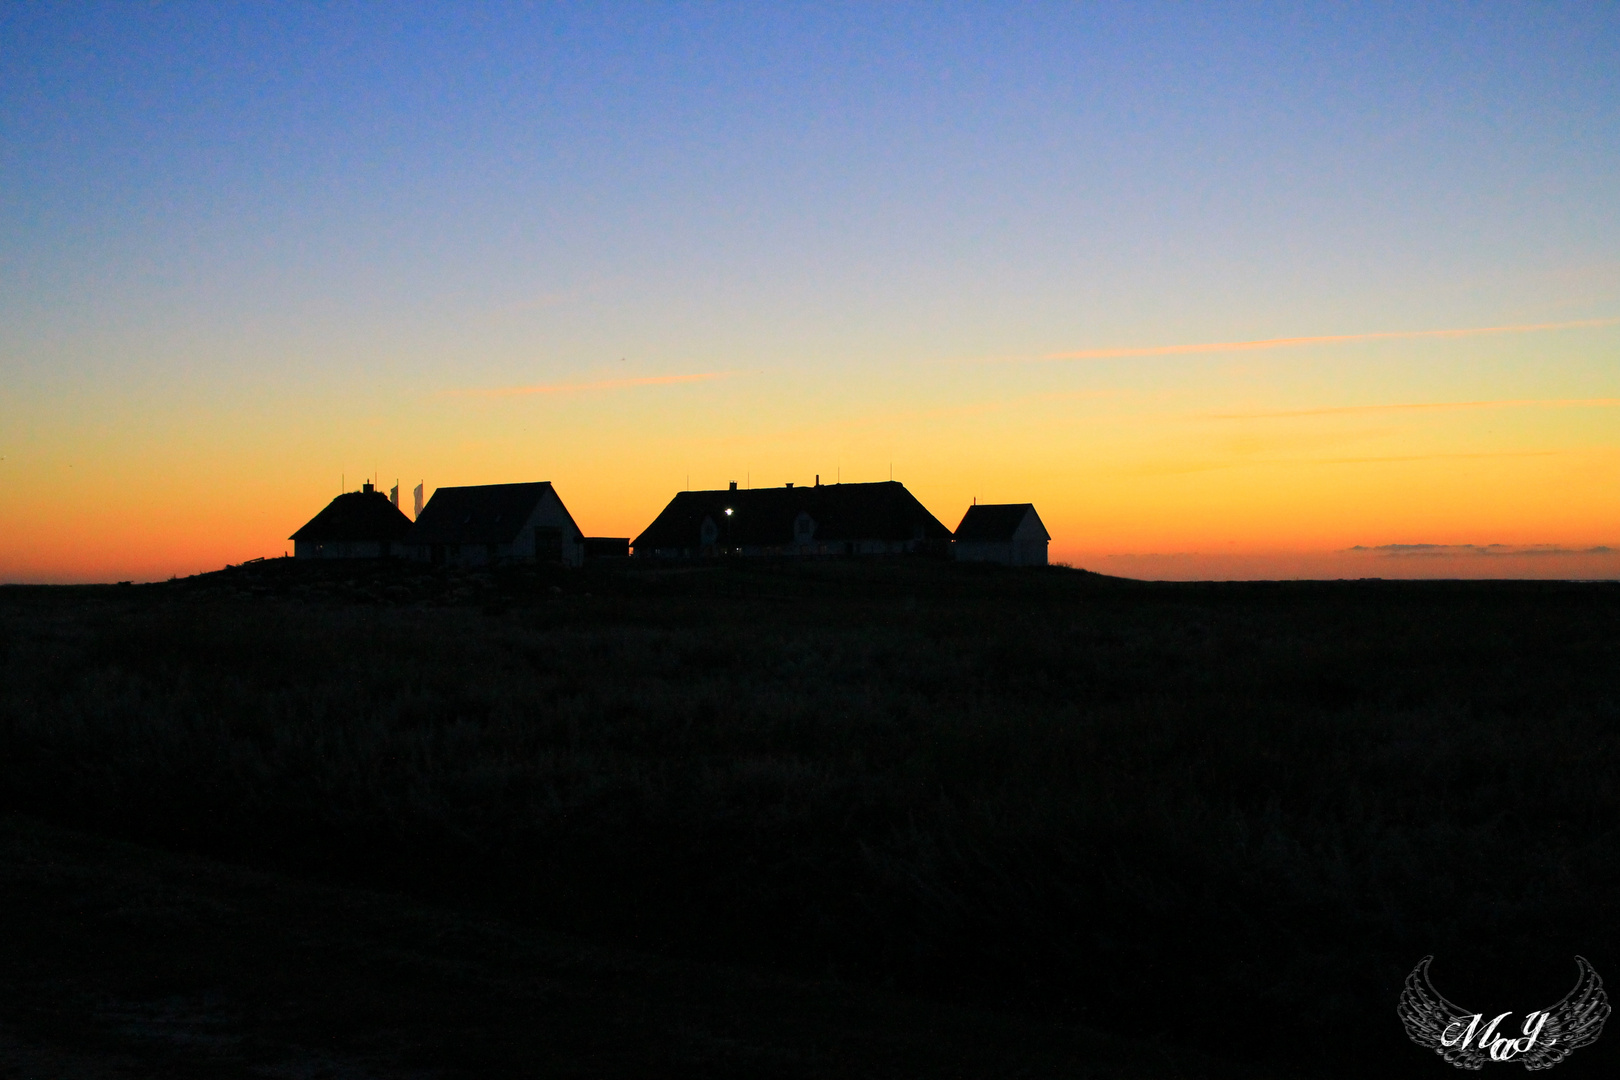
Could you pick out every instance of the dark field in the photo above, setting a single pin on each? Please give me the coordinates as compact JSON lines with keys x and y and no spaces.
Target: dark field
{"x":1218,"y":822}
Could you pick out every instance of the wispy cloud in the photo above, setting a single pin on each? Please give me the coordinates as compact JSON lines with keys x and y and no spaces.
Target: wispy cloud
{"x":604,"y":384}
{"x":1489,"y":551}
{"x":1329,"y":339}
{"x":1425,"y":406}
{"x":1239,"y":460}
{"x":1436,"y":457}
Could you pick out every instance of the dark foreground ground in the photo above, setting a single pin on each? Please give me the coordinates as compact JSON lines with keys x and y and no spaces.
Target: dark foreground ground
{"x":887,"y":819}
{"x":119,"y":962}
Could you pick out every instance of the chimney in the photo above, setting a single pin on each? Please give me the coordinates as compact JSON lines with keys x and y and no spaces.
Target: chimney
{"x":734,"y":485}
{"x":790,"y":483}
{"x":818,"y":479}
{"x":366,"y":487}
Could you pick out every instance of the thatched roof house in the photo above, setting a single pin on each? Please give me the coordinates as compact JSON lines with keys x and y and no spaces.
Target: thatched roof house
{"x":360,"y":524}
{"x":830,"y":519}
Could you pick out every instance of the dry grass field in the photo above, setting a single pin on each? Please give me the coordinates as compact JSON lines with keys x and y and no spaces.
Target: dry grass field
{"x":1217,"y":822}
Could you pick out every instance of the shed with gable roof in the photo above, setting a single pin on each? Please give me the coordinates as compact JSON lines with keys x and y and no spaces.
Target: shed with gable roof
{"x":1009,"y":533}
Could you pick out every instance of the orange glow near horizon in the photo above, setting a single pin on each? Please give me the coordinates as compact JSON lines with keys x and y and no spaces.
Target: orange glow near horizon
{"x":1246,"y":472}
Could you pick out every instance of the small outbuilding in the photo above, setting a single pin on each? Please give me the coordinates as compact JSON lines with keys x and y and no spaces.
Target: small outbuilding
{"x":1008,"y":533}
{"x":827,"y":519}
{"x":496,"y":523}
{"x":360,"y":524}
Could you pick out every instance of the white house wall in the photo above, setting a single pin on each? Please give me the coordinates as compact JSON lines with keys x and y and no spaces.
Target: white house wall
{"x":341,"y":549}
{"x":1030,"y":529}
{"x":550,"y":513}
{"x":1029,"y":542}
{"x":1029,"y":552}
{"x":999,"y":551}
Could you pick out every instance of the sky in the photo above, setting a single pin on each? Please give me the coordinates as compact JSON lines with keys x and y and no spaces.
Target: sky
{"x":1245,"y":290}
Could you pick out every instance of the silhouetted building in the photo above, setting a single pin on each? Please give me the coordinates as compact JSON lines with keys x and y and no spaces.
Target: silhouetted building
{"x":491,"y":523}
{"x":1009,"y":533}
{"x":356,"y":525}
{"x":830,"y":519}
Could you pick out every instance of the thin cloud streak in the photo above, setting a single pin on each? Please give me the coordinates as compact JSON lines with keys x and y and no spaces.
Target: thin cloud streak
{"x":1426,"y":406}
{"x":1489,"y":551}
{"x":1437,"y":457}
{"x":1331,"y":339}
{"x":1237,"y":461}
{"x":605,"y":384}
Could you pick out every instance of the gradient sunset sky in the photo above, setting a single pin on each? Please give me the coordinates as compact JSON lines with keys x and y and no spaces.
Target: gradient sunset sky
{"x":1226,"y":291}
